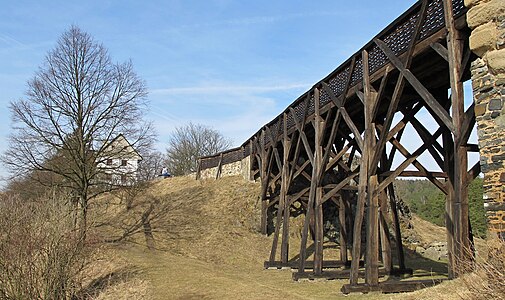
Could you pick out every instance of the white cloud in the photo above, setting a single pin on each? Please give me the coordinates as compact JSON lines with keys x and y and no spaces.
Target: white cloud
{"x":11,"y":42}
{"x":227,"y":89}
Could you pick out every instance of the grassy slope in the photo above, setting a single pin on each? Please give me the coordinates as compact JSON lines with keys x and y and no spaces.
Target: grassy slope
{"x":213,"y":251}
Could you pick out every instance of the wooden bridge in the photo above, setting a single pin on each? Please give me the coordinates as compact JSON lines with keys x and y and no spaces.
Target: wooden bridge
{"x":337,"y":143}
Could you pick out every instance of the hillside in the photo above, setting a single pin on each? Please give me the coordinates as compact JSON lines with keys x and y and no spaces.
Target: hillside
{"x":208,"y":247}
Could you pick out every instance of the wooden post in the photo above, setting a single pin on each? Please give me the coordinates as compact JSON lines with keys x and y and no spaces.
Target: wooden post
{"x":343,"y":228}
{"x":285,"y":183}
{"x":314,"y":206}
{"x":318,"y":211}
{"x":219,"y":166}
{"x":199,"y":169}
{"x":251,"y":158}
{"x":372,"y":242}
{"x":265,"y":175}
{"x":319,"y":237}
{"x":264,"y":217}
{"x":384,"y":233}
{"x":463,"y":250}
{"x":398,"y":233}
{"x":366,"y":152}
{"x":449,"y":217}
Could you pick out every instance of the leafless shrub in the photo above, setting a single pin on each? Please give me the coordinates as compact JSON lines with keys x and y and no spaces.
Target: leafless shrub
{"x":188,"y":143}
{"x":151,"y":165}
{"x":486,"y":282}
{"x":42,"y":255}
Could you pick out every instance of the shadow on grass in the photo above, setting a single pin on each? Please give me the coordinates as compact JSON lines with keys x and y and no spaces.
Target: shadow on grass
{"x":100,"y":284}
{"x":420,"y":265}
{"x":423,"y":266}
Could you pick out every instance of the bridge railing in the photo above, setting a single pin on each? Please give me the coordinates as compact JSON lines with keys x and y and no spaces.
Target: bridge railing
{"x":398,"y":36}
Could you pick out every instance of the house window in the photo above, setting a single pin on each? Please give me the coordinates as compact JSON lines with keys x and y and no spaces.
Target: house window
{"x":123,"y":178}
{"x":109,"y":162}
{"x":123,"y":162}
{"x":108,"y":177}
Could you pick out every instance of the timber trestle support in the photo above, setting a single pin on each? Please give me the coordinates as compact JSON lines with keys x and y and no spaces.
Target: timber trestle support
{"x":340,"y":146}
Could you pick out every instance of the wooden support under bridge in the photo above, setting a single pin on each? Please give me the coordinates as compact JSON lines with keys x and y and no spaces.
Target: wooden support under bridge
{"x":339,"y":144}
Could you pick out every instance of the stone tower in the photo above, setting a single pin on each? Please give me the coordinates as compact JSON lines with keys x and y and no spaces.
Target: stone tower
{"x":486,"y":18}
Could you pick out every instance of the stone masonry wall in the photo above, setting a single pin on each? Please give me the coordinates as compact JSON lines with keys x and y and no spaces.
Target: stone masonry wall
{"x":486,"y":18}
{"x":241,"y":167}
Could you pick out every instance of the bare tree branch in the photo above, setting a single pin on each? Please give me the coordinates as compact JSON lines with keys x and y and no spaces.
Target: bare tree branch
{"x":76,"y":104}
{"x":188,"y":143}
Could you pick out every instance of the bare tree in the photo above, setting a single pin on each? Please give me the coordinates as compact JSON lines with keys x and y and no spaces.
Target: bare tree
{"x":151,"y":165}
{"x":189,"y":142}
{"x":76,"y":104}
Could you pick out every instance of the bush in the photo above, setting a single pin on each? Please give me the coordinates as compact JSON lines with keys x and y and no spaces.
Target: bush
{"x":486,"y":282}
{"x":42,"y":255}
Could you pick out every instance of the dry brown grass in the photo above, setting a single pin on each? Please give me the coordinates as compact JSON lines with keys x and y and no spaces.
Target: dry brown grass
{"x":208,"y":247}
{"x":487,"y":281}
{"x":112,"y":276}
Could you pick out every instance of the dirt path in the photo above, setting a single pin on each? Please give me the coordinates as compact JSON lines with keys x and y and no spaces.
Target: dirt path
{"x":179,"y":277}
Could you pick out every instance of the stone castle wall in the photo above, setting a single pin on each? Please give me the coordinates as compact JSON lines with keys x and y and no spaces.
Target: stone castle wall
{"x":242,"y":167}
{"x":487,"y":40}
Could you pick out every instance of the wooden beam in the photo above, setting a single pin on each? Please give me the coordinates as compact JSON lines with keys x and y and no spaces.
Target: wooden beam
{"x":426,"y":137}
{"x":441,"y":50}
{"x":406,"y":163}
{"x":285,"y":184}
{"x":463,"y":256}
{"x":338,"y":187}
{"x":396,"y":222}
{"x":219,"y":166}
{"x":333,"y":161}
{"x":400,"y":84}
{"x":473,"y":173}
{"x":380,"y":93}
{"x":343,"y":235}
{"x":372,"y":234}
{"x":467,"y":125}
{"x":418,"y":86}
{"x":385,"y":241}
{"x":314,"y":205}
{"x":301,"y":170}
{"x":416,"y":174}
{"x":298,"y":195}
{"x":306,"y":144}
{"x":352,"y":127}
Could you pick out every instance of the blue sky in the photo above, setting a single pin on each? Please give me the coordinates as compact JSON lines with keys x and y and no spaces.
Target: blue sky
{"x":231,"y":65}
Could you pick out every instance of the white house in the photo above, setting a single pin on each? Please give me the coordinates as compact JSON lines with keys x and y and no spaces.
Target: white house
{"x":120,"y":162}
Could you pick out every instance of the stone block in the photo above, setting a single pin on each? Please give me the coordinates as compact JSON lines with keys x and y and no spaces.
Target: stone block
{"x":495,"y":104}
{"x":471,"y":3}
{"x":478,"y":63}
{"x":500,"y":121}
{"x":483,"y":13}
{"x":483,"y":38}
{"x":487,"y":89}
{"x":498,"y":158}
{"x":500,"y":79}
{"x":480,"y":109}
{"x":502,"y":177}
{"x":496,"y":59}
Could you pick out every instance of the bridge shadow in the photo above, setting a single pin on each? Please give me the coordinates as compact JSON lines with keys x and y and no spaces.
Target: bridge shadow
{"x":310,"y":251}
{"x":421,"y":266}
